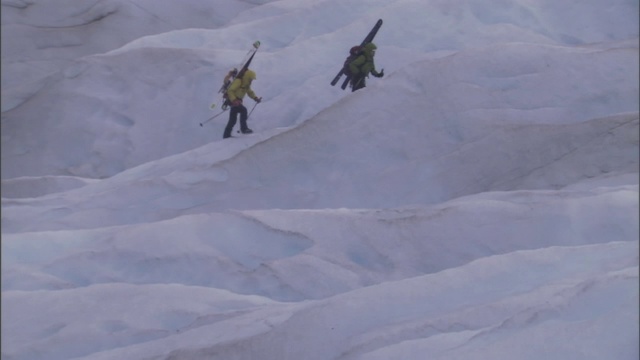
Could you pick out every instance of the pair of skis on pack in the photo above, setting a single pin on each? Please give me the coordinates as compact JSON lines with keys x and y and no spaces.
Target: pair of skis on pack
{"x":366,"y":40}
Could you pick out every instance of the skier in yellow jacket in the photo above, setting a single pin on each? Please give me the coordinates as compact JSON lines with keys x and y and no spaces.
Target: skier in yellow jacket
{"x":361,"y":66}
{"x":240,"y":87}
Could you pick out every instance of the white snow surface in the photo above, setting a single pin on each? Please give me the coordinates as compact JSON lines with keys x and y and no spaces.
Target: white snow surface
{"x":480,"y":201}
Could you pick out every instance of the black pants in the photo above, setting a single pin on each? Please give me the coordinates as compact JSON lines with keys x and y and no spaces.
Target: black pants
{"x":233,"y":117}
{"x":357,"y":82}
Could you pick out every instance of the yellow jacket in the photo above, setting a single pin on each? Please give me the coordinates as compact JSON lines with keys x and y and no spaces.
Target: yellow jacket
{"x":241,"y":86}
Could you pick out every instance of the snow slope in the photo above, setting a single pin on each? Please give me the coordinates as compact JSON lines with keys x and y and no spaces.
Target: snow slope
{"x":478,"y":202}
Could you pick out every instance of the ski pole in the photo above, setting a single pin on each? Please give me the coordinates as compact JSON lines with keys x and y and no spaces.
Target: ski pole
{"x":254,"y":106}
{"x":213,"y":117}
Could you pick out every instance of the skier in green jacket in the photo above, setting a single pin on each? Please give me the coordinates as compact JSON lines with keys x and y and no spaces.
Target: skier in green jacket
{"x":362,"y":66}
{"x":240,"y":87}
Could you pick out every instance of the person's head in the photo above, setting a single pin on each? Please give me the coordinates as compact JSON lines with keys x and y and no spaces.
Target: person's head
{"x":249,"y":76}
{"x":370,"y":49}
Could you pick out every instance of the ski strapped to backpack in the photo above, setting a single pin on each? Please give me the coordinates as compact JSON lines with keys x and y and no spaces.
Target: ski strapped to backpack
{"x":354,"y":52}
{"x":351,"y":57}
{"x":234,"y":73}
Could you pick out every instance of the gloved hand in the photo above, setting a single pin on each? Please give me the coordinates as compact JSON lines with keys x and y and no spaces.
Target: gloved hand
{"x":258,"y":99}
{"x":236,"y":102}
{"x":380,"y":74}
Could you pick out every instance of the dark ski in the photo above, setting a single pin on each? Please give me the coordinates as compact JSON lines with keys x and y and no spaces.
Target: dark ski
{"x":366,"y":40}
